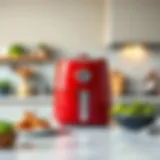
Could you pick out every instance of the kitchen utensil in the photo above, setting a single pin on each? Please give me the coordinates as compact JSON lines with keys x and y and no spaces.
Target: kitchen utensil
{"x":118,"y":83}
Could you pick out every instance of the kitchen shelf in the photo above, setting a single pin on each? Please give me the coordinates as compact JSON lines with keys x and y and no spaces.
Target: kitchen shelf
{"x":40,"y":100}
{"x":22,"y":60}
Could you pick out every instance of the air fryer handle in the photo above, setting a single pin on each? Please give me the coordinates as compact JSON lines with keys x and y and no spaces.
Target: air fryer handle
{"x":84,"y":98}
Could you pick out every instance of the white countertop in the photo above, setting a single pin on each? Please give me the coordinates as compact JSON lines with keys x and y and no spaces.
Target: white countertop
{"x":88,"y":144}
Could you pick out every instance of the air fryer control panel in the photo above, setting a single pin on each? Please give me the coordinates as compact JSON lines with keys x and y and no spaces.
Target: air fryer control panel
{"x":83,"y":76}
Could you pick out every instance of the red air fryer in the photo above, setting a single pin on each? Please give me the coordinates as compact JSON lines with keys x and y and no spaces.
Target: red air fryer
{"x":82,"y":93}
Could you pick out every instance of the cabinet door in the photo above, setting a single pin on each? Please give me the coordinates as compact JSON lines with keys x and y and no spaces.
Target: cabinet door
{"x":135,"y":20}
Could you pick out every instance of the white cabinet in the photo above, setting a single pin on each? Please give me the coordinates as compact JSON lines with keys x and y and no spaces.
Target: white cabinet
{"x":134,"y":20}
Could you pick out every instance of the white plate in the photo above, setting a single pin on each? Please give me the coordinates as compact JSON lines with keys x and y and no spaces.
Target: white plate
{"x":38,"y":132}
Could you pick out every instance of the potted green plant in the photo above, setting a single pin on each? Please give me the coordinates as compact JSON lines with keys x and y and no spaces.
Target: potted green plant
{"x":16,"y":51}
{"x":7,"y":135}
{"x":5,"y":87}
{"x":43,"y":51}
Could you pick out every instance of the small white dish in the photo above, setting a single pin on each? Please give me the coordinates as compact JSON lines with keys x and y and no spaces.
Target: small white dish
{"x":38,"y":132}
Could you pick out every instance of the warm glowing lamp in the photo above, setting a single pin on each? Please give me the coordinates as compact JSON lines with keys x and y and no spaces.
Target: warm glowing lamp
{"x":134,"y":52}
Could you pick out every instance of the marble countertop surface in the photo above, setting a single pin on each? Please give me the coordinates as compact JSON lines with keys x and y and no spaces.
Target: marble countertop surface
{"x":87,"y":144}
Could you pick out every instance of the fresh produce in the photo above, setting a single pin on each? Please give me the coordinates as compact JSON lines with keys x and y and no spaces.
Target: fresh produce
{"x":30,"y":121}
{"x":136,"y":109}
{"x":25,"y":72}
{"x":16,"y":51}
{"x":117,"y":109}
{"x":7,"y":135}
{"x":149,"y":110}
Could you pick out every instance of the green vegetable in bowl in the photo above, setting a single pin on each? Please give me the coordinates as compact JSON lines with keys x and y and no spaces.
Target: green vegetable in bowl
{"x":136,"y":109}
{"x":128,"y":111}
{"x":117,"y":109}
{"x":5,"y":127}
{"x":149,"y":110}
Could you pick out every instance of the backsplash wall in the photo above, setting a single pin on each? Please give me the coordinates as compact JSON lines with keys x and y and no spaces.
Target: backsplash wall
{"x":135,"y":71}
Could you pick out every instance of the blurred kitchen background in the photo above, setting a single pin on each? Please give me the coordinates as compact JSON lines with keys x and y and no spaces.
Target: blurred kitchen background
{"x":34,"y":34}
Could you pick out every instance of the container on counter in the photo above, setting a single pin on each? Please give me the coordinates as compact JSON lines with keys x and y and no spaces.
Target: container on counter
{"x":118,"y":83}
{"x":27,"y":86}
{"x":151,"y":83}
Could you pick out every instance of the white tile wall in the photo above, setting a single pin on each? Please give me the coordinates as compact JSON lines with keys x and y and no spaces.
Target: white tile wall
{"x":135,"y":71}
